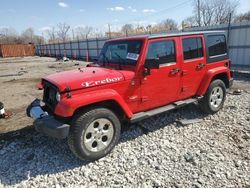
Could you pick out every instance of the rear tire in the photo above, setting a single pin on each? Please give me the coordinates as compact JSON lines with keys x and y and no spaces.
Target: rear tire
{"x":214,"y":98}
{"x":94,"y":133}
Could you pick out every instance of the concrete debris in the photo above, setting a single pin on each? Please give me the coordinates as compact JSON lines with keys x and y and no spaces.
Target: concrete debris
{"x":65,"y":59}
{"x":185,"y":122}
{"x":2,"y":111}
{"x":237,"y":92}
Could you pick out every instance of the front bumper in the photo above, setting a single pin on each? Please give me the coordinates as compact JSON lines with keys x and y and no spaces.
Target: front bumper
{"x":45,"y":123}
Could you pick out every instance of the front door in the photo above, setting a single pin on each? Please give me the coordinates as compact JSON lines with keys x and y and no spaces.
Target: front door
{"x":162,"y":85}
{"x":193,"y":64}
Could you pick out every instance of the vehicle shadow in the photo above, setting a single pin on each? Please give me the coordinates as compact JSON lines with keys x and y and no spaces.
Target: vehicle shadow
{"x":242,"y":76}
{"x":31,"y":154}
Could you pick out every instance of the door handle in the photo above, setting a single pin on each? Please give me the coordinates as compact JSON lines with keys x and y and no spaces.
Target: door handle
{"x":201,"y":66}
{"x":175,"y":71}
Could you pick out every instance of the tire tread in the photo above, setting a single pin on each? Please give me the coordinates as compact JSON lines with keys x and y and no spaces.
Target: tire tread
{"x":76,"y":128}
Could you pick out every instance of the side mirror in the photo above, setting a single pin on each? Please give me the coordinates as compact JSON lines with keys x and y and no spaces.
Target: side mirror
{"x":152,"y":63}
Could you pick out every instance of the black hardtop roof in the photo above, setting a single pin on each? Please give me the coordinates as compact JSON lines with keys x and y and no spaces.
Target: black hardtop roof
{"x":184,"y":34}
{"x":164,"y":35}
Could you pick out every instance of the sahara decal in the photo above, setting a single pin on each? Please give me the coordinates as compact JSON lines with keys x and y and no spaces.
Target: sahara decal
{"x":101,"y":82}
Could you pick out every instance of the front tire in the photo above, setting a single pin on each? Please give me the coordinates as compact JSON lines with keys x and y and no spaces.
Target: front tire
{"x":214,"y":98}
{"x":94,"y":133}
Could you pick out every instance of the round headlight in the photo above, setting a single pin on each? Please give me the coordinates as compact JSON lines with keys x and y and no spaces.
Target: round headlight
{"x":58,"y":96}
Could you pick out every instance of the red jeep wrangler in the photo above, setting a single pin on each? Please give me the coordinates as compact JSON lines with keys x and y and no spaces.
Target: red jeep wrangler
{"x":133,"y":79}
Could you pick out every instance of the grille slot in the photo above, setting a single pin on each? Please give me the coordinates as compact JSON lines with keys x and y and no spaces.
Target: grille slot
{"x":49,"y":95}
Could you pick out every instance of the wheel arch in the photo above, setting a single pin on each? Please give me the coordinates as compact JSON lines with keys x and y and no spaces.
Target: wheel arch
{"x":108,"y":98}
{"x":109,"y":104}
{"x":221,"y":73}
{"x":223,"y":77}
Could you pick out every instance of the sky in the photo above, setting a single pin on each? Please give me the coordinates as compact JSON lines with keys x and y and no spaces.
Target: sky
{"x":43,"y":14}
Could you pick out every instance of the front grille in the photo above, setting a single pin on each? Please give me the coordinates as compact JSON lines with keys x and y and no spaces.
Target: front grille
{"x":49,"y":95}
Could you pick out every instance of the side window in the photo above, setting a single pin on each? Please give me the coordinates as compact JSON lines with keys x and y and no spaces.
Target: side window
{"x":192,"y":48}
{"x":217,"y":45}
{"x":164,"y":50}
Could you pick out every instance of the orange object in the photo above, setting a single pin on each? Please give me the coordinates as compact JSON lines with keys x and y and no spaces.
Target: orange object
{"x":17,"y":50}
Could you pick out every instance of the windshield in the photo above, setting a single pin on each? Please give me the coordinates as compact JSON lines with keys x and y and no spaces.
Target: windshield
{"x":124,"y":52}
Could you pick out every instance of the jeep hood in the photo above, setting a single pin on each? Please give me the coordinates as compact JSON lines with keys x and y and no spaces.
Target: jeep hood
{"x":87,"y":77}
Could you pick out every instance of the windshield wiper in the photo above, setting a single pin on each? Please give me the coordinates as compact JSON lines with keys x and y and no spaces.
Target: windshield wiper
{"x":120,"y":59}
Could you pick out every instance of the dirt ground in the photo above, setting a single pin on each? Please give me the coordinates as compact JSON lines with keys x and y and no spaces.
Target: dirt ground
{"x":18,"y":91}
{"x":18,"y":80}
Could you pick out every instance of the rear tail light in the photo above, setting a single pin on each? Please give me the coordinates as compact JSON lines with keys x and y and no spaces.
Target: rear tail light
{"x":228,"y":64}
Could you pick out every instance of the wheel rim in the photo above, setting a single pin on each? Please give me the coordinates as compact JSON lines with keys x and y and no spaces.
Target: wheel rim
{"x":98,"y":135}
{"x":216,"y":97}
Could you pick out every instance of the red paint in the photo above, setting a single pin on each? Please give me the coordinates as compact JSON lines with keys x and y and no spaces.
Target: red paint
{"x":39,"y":86}
{"x":191,"y":74}
{"x":129,"y":88}
{"x":212,"y":70}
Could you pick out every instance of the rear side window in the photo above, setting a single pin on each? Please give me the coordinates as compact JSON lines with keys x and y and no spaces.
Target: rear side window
{"x":216,"y":45}
{"x":162,"y":50}
{"x":192,"y":48}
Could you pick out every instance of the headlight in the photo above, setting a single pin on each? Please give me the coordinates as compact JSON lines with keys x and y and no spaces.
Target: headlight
{"x":58,"y":96}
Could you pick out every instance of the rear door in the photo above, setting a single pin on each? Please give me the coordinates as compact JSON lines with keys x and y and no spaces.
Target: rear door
{"x":162,"y":85}
{"x":193,"y":64}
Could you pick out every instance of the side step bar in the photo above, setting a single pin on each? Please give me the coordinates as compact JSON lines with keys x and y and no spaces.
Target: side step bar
{"x":144,"y":115}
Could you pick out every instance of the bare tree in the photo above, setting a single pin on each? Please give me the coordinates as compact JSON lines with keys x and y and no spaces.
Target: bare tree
{"x":214,"y":11}
{"x":51,"y":32}
{"x":28,"y":35}
{"x":83,"y":32}
{"x":8,"y":35}
{"x":99,"y":33}
{"x":127,"y":29}
{"x":189,"y":22}
{"x":62,"y":31}
{"x":39,"y":40}
{"x":243,"y":17}
{"x":140,"y":29}
{"x":168,"y":25}
{"x":149,"y":28}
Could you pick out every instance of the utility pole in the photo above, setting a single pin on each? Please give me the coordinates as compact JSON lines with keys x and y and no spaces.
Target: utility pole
{"x":199,"y":13}
{"x":229,"y":29}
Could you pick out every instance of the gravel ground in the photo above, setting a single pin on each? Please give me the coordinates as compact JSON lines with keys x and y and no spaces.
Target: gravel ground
{"x":158,"y":152}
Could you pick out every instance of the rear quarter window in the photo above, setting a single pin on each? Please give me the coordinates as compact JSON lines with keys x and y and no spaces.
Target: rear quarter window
{"x":216,"y":45}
